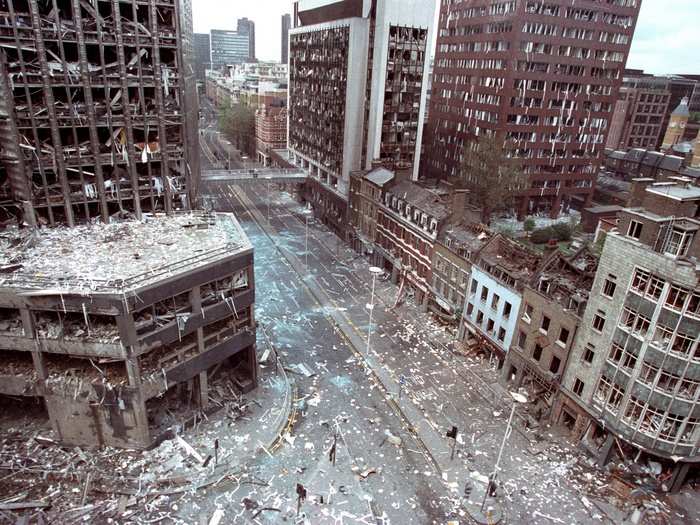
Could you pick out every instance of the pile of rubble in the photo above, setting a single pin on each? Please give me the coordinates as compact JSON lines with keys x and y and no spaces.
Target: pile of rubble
{"x":42,"y":480}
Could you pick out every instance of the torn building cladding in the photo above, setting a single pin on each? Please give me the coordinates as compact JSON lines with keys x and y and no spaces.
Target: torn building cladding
{"x":101,"y":320}
{"x":98,"y":107}
{"x":122,"y":299}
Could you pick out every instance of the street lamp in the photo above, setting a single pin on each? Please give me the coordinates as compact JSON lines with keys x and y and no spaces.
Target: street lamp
{"x":306,"y":213}
{"x":518,"y":398}
{"x":370,"y":306}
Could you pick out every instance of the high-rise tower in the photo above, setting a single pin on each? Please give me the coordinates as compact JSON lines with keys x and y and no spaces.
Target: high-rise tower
{"x":102,"y":115}
{"x":542,"y":74}
{"x":286,"y":24}
{"x":357,"y":91}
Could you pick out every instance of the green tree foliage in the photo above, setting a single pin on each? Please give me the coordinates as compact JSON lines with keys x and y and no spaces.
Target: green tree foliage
{"x":492,"y":178}
{"x":559,"y":232}
{"x":237,"y":123}
{"x":529,"y":225}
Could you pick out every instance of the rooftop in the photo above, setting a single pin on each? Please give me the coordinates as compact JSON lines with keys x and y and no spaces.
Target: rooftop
{"x":422,"y":198}
{"x":116,"y":257}
{"x":676,"y":192}
{"x":566,"y":278}
{"x":467,"y":237}
{"x":380,"y":176}
{"x":505,"y":255}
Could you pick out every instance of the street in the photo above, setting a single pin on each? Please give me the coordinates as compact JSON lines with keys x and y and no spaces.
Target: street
{"x":355,"y":394}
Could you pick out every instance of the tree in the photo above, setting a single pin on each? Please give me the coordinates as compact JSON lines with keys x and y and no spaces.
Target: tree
{"x":237,"y":123}
{"x":529,"y":225}
{"x":493,"y":178}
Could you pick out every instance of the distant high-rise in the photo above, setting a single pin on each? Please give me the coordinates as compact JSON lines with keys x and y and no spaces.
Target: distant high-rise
{"x":202,"y":55}
{"x":229,"y":48}
{"x":286,"y":24}
{"x":247,"y":27}
{"x":542,"y":74}
{"x":357,"y":91}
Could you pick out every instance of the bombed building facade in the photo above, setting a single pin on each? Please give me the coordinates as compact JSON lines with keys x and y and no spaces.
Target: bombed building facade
{"x":101,"y":110}
{"x":358,"y":73}
{"x":114,"y":292}
{"x":634,"y":370}
{"x":542,"y":74}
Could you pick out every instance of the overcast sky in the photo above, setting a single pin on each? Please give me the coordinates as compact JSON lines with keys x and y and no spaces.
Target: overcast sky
{"x":667,"y":38}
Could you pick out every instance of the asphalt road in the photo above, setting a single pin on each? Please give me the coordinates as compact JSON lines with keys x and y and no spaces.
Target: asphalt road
{"x":372,"y":478}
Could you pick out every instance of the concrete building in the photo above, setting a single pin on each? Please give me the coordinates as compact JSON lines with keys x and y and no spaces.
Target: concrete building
{"x":638,"y":117}
{"x":98,"y":122}
{"x":634,"y":371}
{"x":133,"y":303}
{"x":247,"y":27}
{"x":490,"y":313}
{"x":202,"y":55}
{"x":228,"y":48}
{"x":286,"y":26}
{"x":357,"y":90}
{"x":548,"y":321}
{"x":101,"y":321}
{"x":543,"y":74}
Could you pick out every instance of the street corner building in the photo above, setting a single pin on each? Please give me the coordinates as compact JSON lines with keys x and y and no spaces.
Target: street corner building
{"x":114,"y":290}
{"x":358,"y":72}
{"x":101,"y":320}
{"x":632,"y":384}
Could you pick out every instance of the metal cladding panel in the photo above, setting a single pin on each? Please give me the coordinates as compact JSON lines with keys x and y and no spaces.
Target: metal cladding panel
{"x":317,"y":13}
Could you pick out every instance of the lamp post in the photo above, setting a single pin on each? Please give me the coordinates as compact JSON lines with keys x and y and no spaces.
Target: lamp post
{"x":370,"y":306}
{"x":518,"y":398}
{"x":306,"y":213}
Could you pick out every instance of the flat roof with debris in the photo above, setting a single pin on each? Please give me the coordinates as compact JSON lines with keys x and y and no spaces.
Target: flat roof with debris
{"x":119,"y":256}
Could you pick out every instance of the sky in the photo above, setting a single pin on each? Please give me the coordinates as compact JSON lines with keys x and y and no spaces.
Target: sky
{"x":667,"y":38}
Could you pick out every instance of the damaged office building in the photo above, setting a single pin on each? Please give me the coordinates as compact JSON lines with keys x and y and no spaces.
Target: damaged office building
{"x":116,"y":295}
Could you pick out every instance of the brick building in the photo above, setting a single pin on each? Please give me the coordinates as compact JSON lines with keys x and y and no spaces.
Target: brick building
{"x":550,"y":313}
{"x":544,"y":74}
{"x":634,"y":371}
{"x":451,"y":269}
{"x":357,"y":91}
{"x":270,"y":131}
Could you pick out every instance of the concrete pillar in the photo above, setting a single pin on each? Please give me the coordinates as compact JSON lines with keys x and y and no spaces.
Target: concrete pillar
{"x":680,"y":473}
{"x":606,"y":450}
{"x":202,"y":387}
{"x":127,"y":332}
{"x":425,"y":298}
{"x":394,"y":275}
{"x":556,"y":206}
